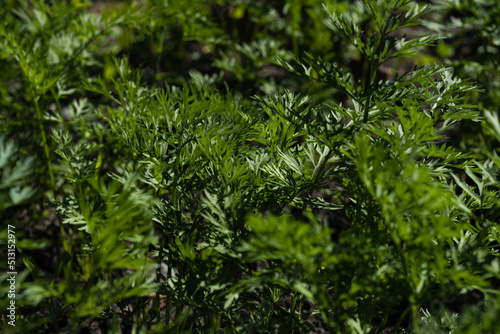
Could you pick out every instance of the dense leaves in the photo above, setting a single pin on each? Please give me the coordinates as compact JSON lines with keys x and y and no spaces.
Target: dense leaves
{"x":236,"y":166}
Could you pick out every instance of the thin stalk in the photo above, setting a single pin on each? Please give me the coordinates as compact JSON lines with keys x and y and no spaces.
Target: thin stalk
{"x":292,"y":307}
{"x":156,"y":304}
{"x":65,"y":243}
{"x":178,"y":306}
{"x":368,"y":86}
{"x":169,"y":295}
{"x":414,"y":311}
{"x":400,"y":320}
{"x":384,"y":321}
{"x":216,"y":321}
{"x":44,"y":143}
{"x":300,"y":308}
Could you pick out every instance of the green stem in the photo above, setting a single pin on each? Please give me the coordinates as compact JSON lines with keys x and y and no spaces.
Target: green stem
{"x":292,"y":307}
{"x":158,"y":273}
{"x":384,"y":321}
{"x":300,"y":308}
{"x":414,"y":311}
{"x":44,"y":143}
{"x":400,"y":320}
{"x":368,"y":86}
{"x":65,"y":243}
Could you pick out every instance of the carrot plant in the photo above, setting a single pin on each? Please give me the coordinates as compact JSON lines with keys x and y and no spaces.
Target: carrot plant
{"x":229,"y":166}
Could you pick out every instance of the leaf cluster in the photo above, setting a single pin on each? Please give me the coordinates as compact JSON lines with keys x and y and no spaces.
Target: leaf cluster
{"x":172,"y":168}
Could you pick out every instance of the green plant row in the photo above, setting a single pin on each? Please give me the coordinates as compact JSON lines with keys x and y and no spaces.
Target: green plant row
{"x":250,"y":166}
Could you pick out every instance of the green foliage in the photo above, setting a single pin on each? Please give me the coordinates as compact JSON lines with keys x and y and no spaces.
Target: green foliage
{"x":17,"y":173}
{"x":236,"y":166}
{"x":471,"y":46}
